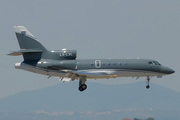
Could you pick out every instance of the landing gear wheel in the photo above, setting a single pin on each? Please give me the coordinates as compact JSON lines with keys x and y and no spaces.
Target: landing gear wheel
{"x":82,"y":87}
{"x":147,"y":86}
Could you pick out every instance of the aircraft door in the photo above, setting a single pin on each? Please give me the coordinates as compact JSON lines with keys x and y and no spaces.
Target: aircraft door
{"x":97,"y":63}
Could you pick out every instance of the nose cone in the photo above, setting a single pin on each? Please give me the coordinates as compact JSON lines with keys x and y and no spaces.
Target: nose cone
{"x":167,"y":70}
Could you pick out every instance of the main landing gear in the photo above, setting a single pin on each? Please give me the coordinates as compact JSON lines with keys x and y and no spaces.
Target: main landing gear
{"x":148,"y":79}
{"x":82,"y":85}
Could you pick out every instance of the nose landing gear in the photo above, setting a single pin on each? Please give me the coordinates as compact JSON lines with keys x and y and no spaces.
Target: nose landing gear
{"x":148,"y":79}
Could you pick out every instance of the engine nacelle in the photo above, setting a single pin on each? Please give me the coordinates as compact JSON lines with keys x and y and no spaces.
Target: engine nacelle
{"x":66,"y":54}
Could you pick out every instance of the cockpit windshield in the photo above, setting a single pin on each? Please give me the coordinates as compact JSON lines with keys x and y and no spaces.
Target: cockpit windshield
{"x":154,"y":63}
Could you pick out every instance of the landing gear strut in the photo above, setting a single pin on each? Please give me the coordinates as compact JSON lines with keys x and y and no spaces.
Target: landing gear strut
{"x":148,"y":79}
{"x":82,"y":85}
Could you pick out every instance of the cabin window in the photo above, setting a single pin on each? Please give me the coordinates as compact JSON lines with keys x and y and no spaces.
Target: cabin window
{"x":109,"y":64}
{"x":92,"y":64}
{"x":120,"y":63}
{"x":103,"y":64}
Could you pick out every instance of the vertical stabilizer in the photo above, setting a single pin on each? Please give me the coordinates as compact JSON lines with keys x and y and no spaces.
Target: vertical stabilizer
{"x":26,"y":39}
{"x":29,"y":44}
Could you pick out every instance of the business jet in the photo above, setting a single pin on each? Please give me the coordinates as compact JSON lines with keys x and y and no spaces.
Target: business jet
{"x":63,"y":64}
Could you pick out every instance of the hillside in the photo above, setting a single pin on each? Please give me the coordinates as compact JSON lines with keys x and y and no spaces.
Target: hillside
{"x":97,"y":97}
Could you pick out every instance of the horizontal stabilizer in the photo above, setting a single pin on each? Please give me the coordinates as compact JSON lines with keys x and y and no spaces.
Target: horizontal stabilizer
{"x":16,"y":53}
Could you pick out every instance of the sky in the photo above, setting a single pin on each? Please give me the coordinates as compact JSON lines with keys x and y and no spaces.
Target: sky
{"x":96,"y":29}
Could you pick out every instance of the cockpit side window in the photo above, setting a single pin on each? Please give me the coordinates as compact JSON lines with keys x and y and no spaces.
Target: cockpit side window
{"x":150,"y":63}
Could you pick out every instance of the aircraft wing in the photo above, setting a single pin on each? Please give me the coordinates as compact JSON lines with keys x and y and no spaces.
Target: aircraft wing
{"x":89,"y":73}
{"x":73,"y":74}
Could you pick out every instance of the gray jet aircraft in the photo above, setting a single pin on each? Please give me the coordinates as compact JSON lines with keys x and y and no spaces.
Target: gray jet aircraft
{"x":64,"y":65}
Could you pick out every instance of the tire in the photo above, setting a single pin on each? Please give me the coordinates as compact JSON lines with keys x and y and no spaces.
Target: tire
{"x":147,"y":86}
{"x":83,"y":86}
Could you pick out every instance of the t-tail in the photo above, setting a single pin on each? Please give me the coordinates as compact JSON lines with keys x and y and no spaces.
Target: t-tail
{"x":30,"y":47}
{"x":32,"y":50}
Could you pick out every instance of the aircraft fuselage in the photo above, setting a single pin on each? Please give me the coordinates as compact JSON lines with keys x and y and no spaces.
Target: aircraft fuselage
{"x":112,"y":68}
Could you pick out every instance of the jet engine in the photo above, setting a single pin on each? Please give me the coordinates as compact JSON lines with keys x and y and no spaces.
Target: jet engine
{"x":65,"y":54}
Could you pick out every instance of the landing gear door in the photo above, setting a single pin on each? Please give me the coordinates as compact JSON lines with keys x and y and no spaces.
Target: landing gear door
{"x":97,"y":63}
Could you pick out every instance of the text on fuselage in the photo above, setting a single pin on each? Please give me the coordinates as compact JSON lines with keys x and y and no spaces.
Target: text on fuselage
{"x":66,"y":54}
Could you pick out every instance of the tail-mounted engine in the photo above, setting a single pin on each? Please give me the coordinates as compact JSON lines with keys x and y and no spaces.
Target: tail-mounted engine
{"x":66,"y":54}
